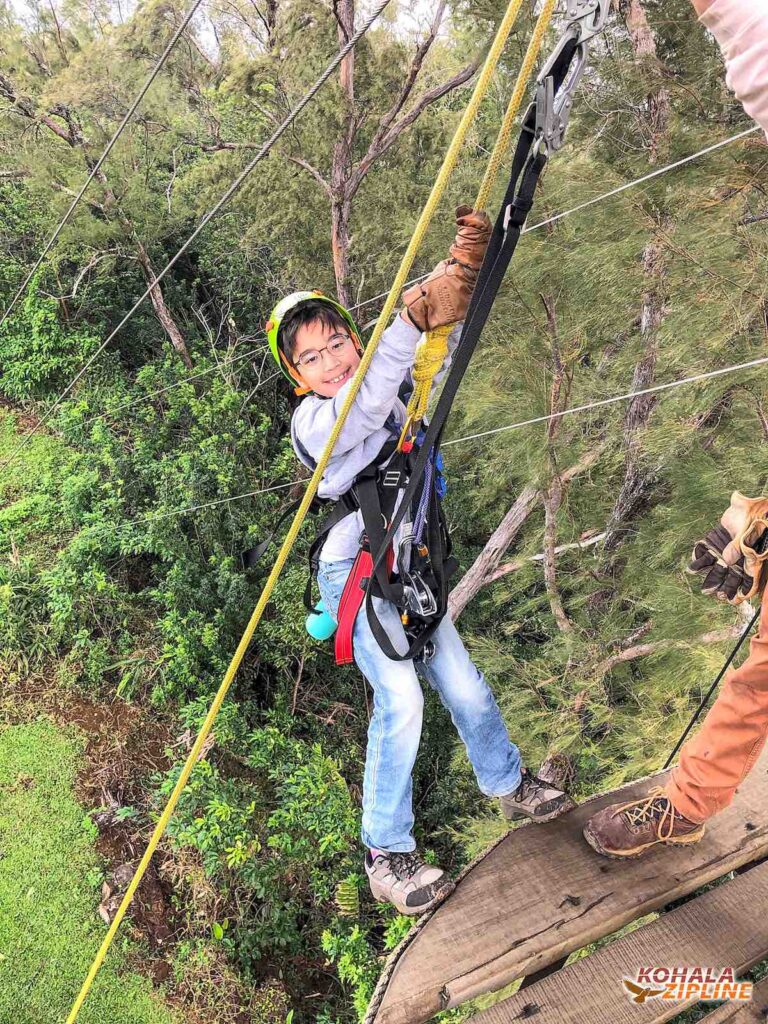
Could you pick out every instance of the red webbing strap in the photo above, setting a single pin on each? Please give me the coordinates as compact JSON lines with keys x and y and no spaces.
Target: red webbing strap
{"x":351,"y":601}
{"x":349,"y":605}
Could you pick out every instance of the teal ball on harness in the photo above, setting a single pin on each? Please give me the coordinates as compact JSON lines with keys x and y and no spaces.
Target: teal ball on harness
{"x":320,"y":625}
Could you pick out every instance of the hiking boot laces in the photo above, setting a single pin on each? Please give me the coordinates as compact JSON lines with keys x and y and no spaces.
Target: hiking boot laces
{"x":655,"y":807}
{"x":530,"y":786}
{"x":405,"y":865}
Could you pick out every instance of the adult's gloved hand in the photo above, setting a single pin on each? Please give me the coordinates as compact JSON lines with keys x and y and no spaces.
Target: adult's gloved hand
{"x":730,"y":558}
{"x":444,"y":296}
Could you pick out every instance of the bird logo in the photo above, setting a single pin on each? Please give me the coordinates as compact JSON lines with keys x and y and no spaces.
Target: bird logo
{"x":638,"y":994}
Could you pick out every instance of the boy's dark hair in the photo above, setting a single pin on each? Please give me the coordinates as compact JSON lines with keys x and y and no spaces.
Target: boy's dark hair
{"x":309,"y":312}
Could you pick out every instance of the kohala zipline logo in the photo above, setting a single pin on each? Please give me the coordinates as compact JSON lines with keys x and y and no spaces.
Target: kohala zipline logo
{"x":683,"y":984}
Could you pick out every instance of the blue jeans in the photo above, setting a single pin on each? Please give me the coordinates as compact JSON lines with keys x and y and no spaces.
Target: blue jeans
{"x":395,"y":728}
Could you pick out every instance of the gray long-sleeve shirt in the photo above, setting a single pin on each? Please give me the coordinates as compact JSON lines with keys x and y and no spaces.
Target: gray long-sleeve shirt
{"x":364,"y":433}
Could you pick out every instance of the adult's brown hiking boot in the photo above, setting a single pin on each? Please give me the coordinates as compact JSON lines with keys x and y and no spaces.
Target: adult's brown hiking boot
{"x":628,"y":830}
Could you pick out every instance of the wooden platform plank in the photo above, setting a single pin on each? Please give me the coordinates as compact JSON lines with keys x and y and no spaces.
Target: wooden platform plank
{"x":542,"y":892}
{"x":724,"y":927}
{"x":755,"y":1012}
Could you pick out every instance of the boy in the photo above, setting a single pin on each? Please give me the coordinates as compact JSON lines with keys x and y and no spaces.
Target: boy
{"x":316,"y":343}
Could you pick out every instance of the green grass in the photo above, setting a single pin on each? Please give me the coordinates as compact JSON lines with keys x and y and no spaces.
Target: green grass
{"x":50,"y":879}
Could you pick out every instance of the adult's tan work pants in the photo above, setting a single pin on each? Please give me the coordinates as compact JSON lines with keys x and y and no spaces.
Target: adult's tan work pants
{"x":717,"y":758}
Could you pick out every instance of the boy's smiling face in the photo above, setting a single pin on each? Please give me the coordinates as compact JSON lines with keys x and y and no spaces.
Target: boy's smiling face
{"x":325,"y":357}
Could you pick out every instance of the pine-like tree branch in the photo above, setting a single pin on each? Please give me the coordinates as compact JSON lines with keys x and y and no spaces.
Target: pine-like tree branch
{"x":753,"y":218}
{"x":322,"y":182}
{"x":509,"y":567}
{"x":717,"y":636}
{"x":551,"y":500}
{"x":397,"y":129}
{"x":480,"y":573}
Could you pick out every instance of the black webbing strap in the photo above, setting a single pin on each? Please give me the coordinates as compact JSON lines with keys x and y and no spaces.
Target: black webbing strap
{"x":363,"y":496}
{"x":252,"y":556}
{"x":527,"y":166}
{"x":375,"y":490}
{"x":343,"y":507}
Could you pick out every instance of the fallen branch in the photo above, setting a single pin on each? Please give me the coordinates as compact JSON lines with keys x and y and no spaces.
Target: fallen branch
{"x":487,"y":562}
{"x":518,"y":563}
{"x":716,"y":636}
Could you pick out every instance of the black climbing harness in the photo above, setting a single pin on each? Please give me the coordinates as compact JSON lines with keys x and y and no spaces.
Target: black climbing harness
{"x":543,"y":131}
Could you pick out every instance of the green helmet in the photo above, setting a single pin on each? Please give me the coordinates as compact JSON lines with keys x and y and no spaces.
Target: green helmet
{"x":279,"y":313}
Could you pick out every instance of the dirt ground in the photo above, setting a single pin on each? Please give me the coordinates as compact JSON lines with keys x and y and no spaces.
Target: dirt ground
{"x":124,"y":748}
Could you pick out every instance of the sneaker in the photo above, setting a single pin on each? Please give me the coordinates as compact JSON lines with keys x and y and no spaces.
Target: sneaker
{"x":405,"y":880}
{"x":535,"y":799}
{"x":628,"y":830}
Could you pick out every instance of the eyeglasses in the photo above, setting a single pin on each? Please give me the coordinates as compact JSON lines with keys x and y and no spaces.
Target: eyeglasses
{"x":312,"y":357}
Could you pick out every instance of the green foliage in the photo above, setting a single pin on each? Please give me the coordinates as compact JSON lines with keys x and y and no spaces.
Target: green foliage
{"x":38,"y":354}
{"x":278,"y":840}
{"x":204,"y":978}
{"x":348,"y":948}
{"x":106,"y":584}
{"x":49,"y":890}
{"x":31,"y":525}
{"x":396,"y":931}
{"x":348,"y":896}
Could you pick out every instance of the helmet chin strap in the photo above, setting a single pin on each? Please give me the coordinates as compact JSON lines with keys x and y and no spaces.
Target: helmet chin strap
{"x":300,"y":389}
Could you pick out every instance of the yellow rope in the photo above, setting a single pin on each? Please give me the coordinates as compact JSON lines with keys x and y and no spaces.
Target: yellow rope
{"x":501,"y":147}
{"x":449,"y":163}
{"x":430,"y":356}
{"x":433,"y":349}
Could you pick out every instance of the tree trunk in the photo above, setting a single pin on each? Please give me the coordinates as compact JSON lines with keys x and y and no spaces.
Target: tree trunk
{"x":639,"y":478}
{"x":162,"y":312}
{"x":340,"y":214}
{"x":345,"y":177}
{"x":644,"y":44}
{"x":271,"y":24}
{"x":341,"y":171}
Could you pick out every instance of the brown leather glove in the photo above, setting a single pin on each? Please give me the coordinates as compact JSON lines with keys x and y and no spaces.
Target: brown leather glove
{"x":730,"y":558}
{"x":444,"y":296}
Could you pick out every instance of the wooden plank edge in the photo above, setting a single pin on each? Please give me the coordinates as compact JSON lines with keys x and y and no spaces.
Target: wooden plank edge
{"x":394,"y":957}
{"x":755,"y":1012}
{"x":627,"y":949}
{"x":465,"y":987}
